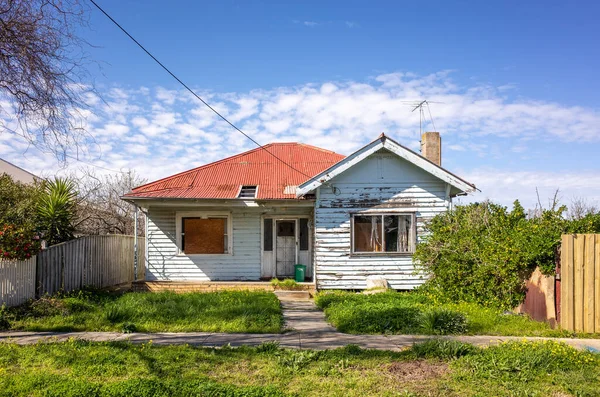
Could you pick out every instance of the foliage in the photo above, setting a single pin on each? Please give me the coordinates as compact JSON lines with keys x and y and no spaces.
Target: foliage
{"x":56,"y":210}
{"x":287,"y":284}
{"x":4,"y":318}
{"x":523,"y":361}
{"x":19,"y":244}
{"x":226,"y":311}
{"x":484,"y":253}
{"x":408,"y":312}
{"x":77,"y":368}
{"x":442,"y":321}
{"x":18,"y":203}
{"x":442,"y":349}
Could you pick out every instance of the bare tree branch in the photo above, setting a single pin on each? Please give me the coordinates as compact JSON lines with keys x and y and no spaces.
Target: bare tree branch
{"x":43,"y":69}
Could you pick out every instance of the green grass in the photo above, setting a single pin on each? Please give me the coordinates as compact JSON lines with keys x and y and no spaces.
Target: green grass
{"x":416,"y":313}
{"x":434,"y":368}
{"x":226,"y":311}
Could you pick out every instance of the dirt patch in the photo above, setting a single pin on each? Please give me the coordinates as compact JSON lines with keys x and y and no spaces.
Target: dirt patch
{"x":413,"y":371}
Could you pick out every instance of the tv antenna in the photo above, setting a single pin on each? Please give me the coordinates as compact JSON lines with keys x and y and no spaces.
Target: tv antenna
{"x":420,"y":105}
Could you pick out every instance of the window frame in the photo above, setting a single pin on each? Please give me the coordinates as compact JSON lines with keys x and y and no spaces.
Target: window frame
{"x":413,"y":218}
{"x":179,"y":215}
{"x":247,"y":198}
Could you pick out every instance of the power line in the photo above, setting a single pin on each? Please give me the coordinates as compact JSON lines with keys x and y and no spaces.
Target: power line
{"x":194,"y":93}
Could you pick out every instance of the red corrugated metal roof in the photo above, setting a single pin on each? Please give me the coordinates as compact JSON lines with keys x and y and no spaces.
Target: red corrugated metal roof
{"x":223,"y":179}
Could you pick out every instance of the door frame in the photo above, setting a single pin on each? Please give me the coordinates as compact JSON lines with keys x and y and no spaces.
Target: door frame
{"x":296,"y":219}
{"x":296,"y":240}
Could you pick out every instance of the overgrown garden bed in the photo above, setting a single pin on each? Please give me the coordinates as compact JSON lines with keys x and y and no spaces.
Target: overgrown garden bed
{"x":419,"y":313}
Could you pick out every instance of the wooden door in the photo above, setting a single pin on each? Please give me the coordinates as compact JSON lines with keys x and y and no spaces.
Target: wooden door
{"x":286,"y":247}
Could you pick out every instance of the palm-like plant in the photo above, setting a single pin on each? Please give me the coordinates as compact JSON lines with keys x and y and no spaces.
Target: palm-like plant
{"x":56,"y":210}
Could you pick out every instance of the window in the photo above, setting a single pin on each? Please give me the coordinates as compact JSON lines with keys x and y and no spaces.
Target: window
{"x":268,"y":234}
{"x":248,"y":192}
{"x":202,"y":233}
{"x":383,"y":233}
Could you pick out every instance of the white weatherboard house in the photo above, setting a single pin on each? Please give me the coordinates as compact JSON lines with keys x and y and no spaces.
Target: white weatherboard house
{"x":254,"y":215}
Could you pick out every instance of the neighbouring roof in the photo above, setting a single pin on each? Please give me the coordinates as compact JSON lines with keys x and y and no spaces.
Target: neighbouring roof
{"x":383,"y":142}
{"x":223,"y":179}
{"x":17,"y":173}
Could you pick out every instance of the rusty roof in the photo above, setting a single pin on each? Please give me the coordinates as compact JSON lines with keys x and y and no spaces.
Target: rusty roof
{"x":224,"y":178}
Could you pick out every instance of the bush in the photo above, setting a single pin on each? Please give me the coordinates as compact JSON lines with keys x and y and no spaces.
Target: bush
{"x":4,"y":321}
{"x":18,"y":243}
{"x":443,"y":322}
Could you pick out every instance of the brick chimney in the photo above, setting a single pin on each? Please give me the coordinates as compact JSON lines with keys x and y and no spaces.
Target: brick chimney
{"x":431,"y":147}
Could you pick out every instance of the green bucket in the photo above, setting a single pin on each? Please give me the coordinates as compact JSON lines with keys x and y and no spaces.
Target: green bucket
{"x":300,"y":273}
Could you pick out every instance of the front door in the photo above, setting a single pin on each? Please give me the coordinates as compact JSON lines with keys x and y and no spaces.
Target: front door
{"x":286,"y":247}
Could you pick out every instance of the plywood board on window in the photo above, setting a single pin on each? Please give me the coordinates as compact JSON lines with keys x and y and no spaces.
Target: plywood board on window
{"x":204,"y":236}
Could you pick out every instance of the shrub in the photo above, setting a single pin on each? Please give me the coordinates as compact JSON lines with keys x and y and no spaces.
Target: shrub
{"x":56,"y":210}
{"x":18,"y":243}
{"x":4,"y":321}
{"x":443,"y":322}
{"x":129,"y":328}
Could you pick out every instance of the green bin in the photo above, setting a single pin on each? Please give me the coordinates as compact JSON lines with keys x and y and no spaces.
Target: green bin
{"x":300,"y":272}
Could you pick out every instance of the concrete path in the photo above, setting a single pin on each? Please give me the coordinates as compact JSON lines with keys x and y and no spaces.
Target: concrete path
{"x":306,"y":326}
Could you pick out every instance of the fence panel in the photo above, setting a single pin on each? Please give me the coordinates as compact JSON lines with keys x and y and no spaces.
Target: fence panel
{"x":97,"y":261}
{"x":17,"y":281}
{"x":580,"y":282}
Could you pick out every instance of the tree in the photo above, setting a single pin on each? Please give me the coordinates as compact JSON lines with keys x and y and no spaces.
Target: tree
{"x":18,"y":203}
{"x":42,"y":72}
{"x":56,"y":210}
{"x":100,"y":209}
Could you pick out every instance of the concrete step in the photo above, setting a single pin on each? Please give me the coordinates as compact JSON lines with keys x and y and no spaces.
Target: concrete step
{"x":292,"y":295}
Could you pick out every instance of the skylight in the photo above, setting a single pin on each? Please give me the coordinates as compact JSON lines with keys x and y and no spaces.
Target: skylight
{"x":248,"y":192}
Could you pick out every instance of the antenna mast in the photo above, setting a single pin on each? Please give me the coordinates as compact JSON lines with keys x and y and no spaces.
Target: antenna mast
{"x":419,"y":106}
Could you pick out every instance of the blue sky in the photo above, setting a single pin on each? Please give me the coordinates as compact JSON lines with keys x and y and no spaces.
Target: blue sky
{"x":518,"y":84}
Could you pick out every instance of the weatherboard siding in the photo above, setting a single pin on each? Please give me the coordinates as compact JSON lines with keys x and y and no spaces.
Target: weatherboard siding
{"x":380,"y":183}
{"x":244,"y":263}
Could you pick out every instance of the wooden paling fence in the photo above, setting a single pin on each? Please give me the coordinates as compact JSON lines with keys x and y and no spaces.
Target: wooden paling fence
{"x":96,"y":261}
{"x":17,"y":281}
{"x":580,"y":283}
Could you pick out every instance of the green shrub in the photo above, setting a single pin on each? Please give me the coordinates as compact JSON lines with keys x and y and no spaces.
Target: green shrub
{"x":128,"y":328}
{"x":442,"y":349}
{"x":443,"y":322}
{"x":4,"y":318}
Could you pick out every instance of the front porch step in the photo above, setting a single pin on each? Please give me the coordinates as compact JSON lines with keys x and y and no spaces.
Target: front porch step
{"x":213,"y":286}
{"x":293,"y":295}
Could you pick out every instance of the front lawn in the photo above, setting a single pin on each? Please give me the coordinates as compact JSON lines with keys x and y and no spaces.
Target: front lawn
{"x":225,"y":311}
{"x":416,"y":313}
{"x":434,"y":368}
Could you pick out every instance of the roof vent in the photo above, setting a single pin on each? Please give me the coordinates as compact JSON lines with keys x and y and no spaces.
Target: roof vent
{"x":248,"y":192}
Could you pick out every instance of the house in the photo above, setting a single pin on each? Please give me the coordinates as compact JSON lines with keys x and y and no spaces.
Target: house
{"x":17,"y":173}
{"x":254,"y":215}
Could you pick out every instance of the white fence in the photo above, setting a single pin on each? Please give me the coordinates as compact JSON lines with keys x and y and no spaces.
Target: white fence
{"x":96,"y":261}
{"x":17,"y":281}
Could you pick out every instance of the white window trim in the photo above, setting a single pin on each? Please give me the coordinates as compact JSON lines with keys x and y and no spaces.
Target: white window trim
{"x":383,"y":253}
{"x":204,"y":215}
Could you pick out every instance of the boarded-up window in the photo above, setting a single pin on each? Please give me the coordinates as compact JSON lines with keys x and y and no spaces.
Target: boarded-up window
{"x":268,"y":234}
{"x":391,"y":233}
{"x":204,"y":236}
{"x":303,"y":234}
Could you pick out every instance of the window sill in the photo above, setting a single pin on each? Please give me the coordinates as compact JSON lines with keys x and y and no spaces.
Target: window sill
{"x":380,"y":254}
{"x":184,"y":255}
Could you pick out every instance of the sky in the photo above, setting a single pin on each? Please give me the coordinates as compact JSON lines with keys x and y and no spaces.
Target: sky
{"x":513,"y":86}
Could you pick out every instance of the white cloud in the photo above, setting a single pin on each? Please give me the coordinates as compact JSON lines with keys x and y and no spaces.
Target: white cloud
{"x":159,"y":131}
